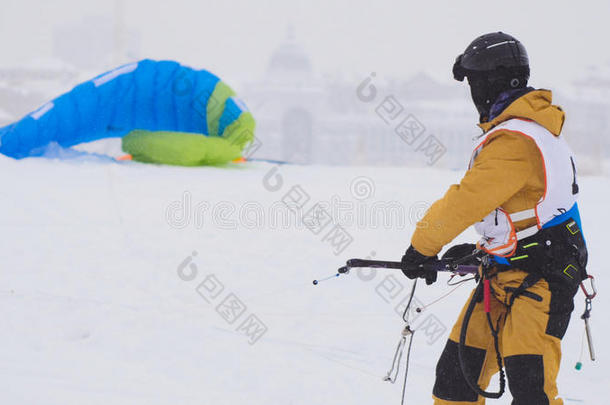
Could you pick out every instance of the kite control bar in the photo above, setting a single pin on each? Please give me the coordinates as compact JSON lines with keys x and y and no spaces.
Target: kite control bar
{"x":439,"y":265}
{"x":451,"y":266}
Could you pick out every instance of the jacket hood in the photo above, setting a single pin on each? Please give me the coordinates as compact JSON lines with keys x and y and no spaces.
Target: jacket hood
{"x":535,"y":105}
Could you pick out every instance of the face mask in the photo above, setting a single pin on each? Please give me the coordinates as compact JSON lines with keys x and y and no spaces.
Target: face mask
{"x":482,"y":96}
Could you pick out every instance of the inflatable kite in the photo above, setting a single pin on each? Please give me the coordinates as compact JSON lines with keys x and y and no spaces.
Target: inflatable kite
{"x":165,"y":113}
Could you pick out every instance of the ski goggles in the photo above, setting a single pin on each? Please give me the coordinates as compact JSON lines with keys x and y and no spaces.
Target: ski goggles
{"x":460,"y":72}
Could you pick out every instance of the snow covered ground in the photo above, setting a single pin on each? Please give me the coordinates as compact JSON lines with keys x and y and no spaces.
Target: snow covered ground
{"x":136,"y":284}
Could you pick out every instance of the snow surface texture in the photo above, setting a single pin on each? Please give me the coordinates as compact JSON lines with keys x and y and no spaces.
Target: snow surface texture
{"x":97,"y":306}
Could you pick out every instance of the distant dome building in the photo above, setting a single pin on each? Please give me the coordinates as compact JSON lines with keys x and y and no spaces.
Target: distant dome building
{"x":305,"y":118}
{"x":289,"y":59}
{"x":285,"y":104}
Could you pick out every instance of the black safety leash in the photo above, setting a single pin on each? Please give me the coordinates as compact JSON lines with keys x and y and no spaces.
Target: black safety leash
{"x":482,"y":288}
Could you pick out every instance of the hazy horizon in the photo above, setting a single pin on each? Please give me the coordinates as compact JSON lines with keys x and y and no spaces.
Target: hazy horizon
{"x":393,"y":38}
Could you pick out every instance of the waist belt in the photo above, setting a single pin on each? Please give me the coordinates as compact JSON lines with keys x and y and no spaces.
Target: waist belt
{"x":558,"y":252}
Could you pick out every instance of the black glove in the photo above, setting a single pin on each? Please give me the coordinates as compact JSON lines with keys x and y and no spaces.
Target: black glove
{"x":460,"y":251}
{"x":412,"y":261}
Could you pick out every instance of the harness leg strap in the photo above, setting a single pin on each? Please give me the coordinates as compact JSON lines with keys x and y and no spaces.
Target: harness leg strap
{"x":529,"y":281}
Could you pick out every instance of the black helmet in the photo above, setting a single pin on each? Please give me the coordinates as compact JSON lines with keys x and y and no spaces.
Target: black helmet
{"x":493,"y":63}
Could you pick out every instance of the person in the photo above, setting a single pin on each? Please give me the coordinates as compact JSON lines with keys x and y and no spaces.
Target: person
{"x":520,"y":191}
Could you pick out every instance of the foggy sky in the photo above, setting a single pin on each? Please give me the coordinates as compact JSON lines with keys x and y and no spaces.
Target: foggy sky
{"x":393,"y":38}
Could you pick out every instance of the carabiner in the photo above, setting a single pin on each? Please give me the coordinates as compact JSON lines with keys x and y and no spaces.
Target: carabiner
{"x":592,"y":295}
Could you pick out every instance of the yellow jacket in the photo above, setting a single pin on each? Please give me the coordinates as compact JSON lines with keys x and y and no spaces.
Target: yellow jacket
{"x":507,"y":173}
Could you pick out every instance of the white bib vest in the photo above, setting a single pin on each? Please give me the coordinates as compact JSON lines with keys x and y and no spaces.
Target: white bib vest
{"x":498,"y":234}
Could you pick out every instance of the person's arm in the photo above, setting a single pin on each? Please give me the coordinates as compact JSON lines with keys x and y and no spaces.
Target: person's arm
{"x":501,"y":169}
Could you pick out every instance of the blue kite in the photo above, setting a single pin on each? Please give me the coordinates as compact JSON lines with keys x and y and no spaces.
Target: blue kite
{"x":164,"y":111}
